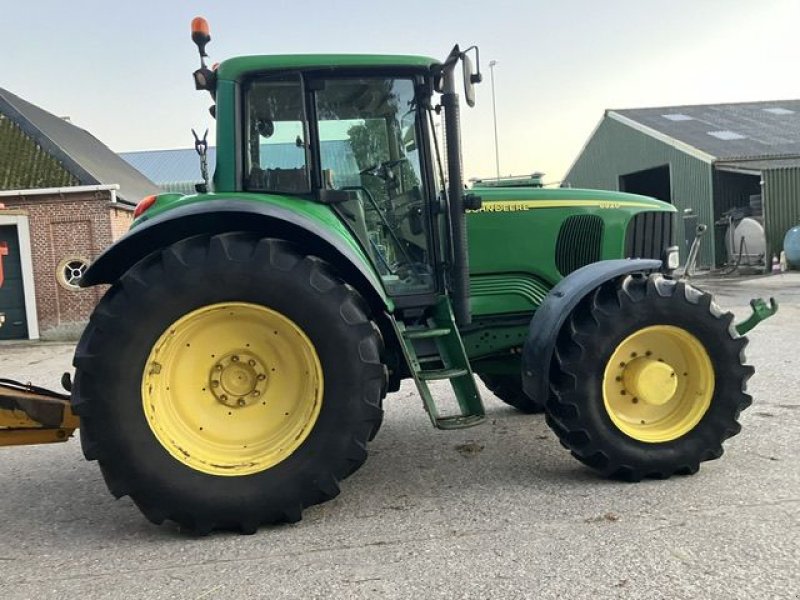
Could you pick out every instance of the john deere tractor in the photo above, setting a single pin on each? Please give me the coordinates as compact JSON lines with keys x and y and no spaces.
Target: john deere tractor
{"x":235,"y":370}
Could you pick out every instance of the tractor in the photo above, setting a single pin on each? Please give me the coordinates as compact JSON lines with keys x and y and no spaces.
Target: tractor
{"x":235,"y":370}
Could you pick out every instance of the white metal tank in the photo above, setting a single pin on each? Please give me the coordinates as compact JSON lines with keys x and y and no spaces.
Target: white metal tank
{"x":748,"y":237}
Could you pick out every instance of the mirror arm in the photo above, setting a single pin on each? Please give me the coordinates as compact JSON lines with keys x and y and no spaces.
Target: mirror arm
{"x":477,"y":77}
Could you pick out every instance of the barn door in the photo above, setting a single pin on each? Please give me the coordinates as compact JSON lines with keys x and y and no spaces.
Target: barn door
{"x":12,"y":292}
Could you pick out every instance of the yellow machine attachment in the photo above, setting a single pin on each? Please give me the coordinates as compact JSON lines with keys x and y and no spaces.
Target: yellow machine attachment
{"x":32,"y":415}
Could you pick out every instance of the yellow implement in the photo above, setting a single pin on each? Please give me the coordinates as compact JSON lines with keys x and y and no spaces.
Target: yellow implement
{"x":32,"y":415}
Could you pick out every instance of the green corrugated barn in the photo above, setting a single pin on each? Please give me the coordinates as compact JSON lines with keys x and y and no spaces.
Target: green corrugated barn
{"x":710,"y":158}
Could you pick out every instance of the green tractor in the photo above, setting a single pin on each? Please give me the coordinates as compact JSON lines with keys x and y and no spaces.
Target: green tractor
{"x":235,"y":370}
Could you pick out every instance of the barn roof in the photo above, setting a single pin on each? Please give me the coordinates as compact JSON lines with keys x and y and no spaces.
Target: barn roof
{"x":723,"y":132}
{"x":82,"y":154}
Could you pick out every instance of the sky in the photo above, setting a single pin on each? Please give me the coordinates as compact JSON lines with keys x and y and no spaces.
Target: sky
{"x":122,"y":70}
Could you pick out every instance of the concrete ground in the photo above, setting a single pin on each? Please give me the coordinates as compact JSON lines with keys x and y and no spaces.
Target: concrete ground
{"x":499,"y":511}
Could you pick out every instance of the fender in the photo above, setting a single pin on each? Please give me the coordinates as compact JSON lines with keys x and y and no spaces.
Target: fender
{"x":554,"y":310}
{"x":219,"y":216}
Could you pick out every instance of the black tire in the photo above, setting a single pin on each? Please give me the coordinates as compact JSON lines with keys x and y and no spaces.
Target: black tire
{"x":508,"y":388}
{"x":198,"y":272}
{"x":575,"y":408}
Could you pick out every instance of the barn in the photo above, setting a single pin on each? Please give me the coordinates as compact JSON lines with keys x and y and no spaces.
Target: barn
{"x":719,"y":160}
{"x":66,"y":197}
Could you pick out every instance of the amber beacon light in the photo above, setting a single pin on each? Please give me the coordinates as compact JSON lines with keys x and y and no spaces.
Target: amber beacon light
{"x":200,"y":34}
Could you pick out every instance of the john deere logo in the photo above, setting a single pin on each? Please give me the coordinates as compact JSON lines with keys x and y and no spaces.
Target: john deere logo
{"x":525,"y":205}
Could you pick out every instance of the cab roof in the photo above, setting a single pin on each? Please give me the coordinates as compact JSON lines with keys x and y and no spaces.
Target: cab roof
{"x":236,"y":68}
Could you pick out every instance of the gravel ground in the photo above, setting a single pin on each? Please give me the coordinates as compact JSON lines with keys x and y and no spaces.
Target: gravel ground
{"x":498,"y":511}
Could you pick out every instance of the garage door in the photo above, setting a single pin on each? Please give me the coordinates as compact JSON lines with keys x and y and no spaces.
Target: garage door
{"x":12,"y":294}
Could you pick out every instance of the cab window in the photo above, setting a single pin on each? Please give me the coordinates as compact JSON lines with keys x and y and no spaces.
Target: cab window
{"x":276,"y":156}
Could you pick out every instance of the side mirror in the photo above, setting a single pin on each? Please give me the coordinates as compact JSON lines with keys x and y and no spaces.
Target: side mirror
{"x":471,"y":76}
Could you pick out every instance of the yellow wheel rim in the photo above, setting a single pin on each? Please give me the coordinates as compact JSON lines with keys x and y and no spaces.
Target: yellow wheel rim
{"x":658,"y":384}
{"x":232,"y":389}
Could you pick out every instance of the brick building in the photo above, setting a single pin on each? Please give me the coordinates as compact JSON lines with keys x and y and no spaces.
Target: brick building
{"x":67,"y":197}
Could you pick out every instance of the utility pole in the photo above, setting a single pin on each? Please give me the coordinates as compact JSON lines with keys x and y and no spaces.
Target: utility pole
{"x":492,"y":64}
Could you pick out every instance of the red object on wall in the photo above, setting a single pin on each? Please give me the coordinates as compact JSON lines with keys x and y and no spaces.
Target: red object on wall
{"x":3,"y":252}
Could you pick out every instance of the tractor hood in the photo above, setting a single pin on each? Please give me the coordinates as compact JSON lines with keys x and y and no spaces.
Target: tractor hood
{"x":524,"y":240}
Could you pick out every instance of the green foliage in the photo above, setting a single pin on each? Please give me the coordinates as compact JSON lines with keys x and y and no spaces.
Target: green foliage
{"x":369,"y":142}
{"x":25,"y":165}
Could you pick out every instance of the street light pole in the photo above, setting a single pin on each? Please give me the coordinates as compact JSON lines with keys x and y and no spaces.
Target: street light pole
{"x":492,"y":64}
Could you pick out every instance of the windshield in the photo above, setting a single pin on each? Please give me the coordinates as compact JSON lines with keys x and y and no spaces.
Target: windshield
{"x":368,"y":134}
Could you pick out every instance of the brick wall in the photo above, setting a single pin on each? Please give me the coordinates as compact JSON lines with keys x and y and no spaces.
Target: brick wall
{"x":121,"y":219}
{"x":80,"y":224}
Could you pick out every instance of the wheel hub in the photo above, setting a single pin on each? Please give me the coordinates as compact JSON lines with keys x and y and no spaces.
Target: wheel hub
{"x":650,"y":381}
{"x":232,"y":389}
{"x":658,"y":383}
{"x":238,"y":379}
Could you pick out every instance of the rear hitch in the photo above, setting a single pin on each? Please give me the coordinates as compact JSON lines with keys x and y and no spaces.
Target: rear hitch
{"x":761,"y":312}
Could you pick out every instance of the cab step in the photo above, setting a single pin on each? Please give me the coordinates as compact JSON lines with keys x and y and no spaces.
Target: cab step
{"x":422,"y":333}
{"x":449,"y":363}
{"x":442,"y":374}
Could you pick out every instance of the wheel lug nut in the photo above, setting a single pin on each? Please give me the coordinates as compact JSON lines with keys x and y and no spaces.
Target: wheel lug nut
{"x":235,"y":358}
{"x":215,"y":383}
{"x":240,"y":402}
{"x":223,"y":397}
{"x":251,"y":362}
{"x":262,"y":377}
{"x":256,"y":393}
{"x":218,"y":367}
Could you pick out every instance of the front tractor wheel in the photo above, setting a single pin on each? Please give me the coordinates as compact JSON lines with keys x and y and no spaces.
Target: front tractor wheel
{"x":228,"y":382}
{"x":647,"y":379}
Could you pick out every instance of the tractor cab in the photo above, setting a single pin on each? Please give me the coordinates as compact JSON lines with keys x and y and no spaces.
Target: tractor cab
{"x":355,"y":133}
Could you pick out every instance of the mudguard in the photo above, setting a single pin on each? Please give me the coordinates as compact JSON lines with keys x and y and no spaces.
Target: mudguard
{"x":554,"y":310}
{"x":219,"y":216}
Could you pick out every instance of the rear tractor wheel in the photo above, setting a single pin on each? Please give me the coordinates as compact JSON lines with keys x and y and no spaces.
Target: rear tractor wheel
{"x":647,"y":379}
{"x":228,"y":382}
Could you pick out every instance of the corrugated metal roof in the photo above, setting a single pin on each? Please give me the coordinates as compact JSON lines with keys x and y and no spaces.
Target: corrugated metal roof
{"x":82,"y":154}
{"x":179,"y":169}
{"x":727,"y":131}
{"x":758,"y":164}
{"x":169,"y":166}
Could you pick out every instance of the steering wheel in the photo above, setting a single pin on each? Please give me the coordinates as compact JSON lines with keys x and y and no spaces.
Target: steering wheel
{"x":383,"y":170}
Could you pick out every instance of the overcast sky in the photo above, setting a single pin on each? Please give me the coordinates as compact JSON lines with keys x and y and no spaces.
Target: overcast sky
{"x":122,"y":70}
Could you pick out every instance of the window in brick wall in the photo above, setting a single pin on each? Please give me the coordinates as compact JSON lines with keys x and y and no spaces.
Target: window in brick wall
{"x":70,"y":270}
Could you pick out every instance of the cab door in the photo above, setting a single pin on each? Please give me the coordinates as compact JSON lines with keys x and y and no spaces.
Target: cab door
{"x":369,"y":132}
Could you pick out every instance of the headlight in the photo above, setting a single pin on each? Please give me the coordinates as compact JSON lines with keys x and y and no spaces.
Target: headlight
{"x":672,"y":258}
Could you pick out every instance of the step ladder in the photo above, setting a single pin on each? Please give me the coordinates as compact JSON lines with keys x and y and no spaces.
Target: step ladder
{"x":449,"y":362}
